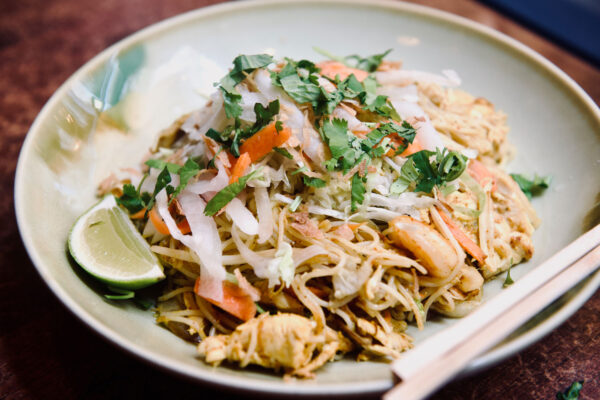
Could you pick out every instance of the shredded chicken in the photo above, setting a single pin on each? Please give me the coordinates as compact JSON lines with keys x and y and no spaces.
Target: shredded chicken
{"x":287,"y":341}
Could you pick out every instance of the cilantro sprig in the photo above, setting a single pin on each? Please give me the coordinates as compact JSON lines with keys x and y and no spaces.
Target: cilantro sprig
{"x":426,"y":169}
{"x":228,"y":193}
{"x":134,"y":200}
{"x":532,"y":187}
{"x":572,"y":392}
{"x":357,"y":191}
{"x":369,"y":63}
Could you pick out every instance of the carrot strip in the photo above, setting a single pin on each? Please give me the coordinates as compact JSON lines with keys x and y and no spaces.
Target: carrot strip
{"x":465,"y":242}
{"x":240,"y":166}
{"x":332,"y":68}
{"x":320,"y":293}
{"x":161,"y":227}
{"x":412,"y":148}
{"x":235,"y":300}
{"x":262,"y":142}
{"x":481,"y":174}
{"x":139,"y":215}
{"x":387,"y":315}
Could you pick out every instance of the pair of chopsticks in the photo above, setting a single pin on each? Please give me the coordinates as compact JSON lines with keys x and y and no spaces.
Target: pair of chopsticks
{"x":438,"y":359}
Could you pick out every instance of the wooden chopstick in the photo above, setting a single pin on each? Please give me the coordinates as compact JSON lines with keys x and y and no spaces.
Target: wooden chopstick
{"x":435,"y":361}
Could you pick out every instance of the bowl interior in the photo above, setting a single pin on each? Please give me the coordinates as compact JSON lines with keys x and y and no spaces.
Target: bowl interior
{"x":553,"y":125}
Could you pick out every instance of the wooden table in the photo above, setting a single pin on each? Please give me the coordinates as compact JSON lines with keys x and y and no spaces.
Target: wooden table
{"x":45,"y":352}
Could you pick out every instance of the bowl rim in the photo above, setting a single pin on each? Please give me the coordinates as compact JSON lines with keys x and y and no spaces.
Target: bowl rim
{"x":272,"y":387}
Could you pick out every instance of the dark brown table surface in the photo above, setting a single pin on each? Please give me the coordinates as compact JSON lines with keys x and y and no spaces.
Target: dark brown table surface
{"x":46,"y":352}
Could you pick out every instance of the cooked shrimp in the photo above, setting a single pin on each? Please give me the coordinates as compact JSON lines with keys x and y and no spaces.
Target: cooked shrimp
{"x":428,"y":245}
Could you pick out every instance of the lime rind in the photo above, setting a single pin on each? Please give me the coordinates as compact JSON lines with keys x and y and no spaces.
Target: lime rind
{"x":106,"y":244}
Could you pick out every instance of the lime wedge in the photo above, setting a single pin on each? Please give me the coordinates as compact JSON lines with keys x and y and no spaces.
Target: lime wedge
{"x":106,"y":244}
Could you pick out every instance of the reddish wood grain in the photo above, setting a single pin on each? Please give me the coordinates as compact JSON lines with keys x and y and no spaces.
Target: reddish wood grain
{"x":46,"y":353}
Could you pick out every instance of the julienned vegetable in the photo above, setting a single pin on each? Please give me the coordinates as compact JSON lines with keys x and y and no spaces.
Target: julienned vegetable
{"x":333,"y":198}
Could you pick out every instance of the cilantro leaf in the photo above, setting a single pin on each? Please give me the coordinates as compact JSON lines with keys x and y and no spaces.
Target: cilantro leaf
{"x":572,"y":392}
{"x":242,"y":65}
{"x":163,"y":179}
{"x":188,"y":171}
{"x":345,"y":148}
{"x":131,"y":199}
{"x":405,"y":132}
{"x":408,"y":175}
{"x":378,"y":104}
{"x":160,"y":164}
{"x":532,"y":187}
{"x":231,"y":104}
{"x":301,"y":90}
{"x":357,"y":194}
{"x":335,"y":134}
{"x":228,"y":193}
{"x":313,"y":182}
{"x":420,"y":171}
{"x":264,"y":115}
{"x":349,"y":88}
{"x":427,"y":173}
{"x":283,"y":152}
{"x":508,"y":281}
{"x":370,"y":63}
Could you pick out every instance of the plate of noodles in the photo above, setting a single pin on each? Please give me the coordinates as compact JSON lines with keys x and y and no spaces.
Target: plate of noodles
{"x":321,"y":192}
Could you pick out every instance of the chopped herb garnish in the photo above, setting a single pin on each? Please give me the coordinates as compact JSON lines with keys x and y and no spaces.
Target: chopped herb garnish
{"x":301,"y":169}
{"x":187,"y":172}
{"x":572,"y":392}
{"x":132,"y":200}
{"x":377,"y":103}
{"x":299,"y":81}
{"x":163,"y":179}
{"x":347,"y":150}
{"x":508,"y":281}
{"x":242,"y":65}
{"x":279,"y":128}
{"x":370,"y":63}
{"x":532,"y":187}
{"x":160,"y":164}
{"x":283,"y":151}
{"x":228,"y":193}
{"x":408,"y":175}
{"x":420,"y":173}
{"x":259,"y":308}
{"x":295,"y":204}
{"x":232,"y":137}
{"x":313,"y":182}
{"x":357,"y":195}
